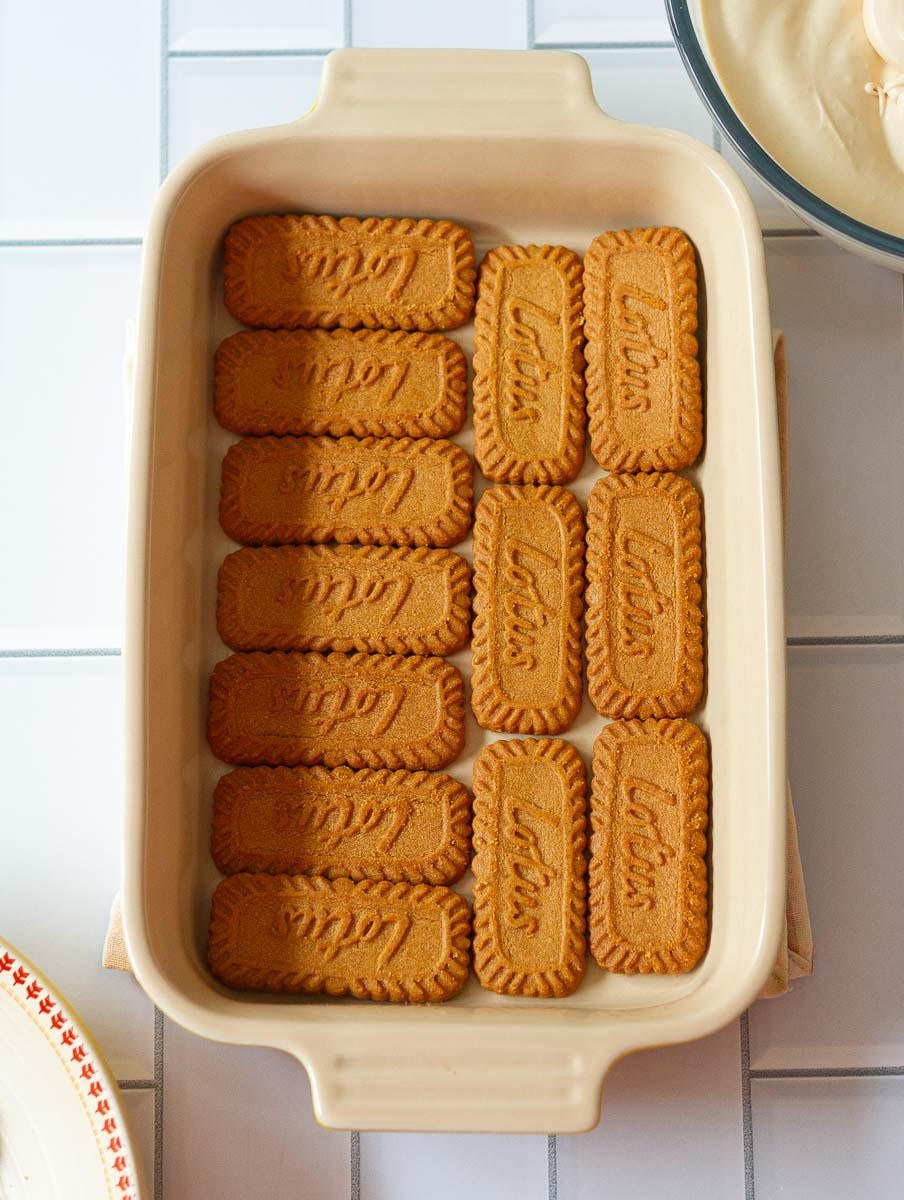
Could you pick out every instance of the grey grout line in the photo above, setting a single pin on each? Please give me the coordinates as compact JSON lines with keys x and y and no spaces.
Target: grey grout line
{"x":825,"y":1072}
{"x":136,"y":1085}
{"x":158,"y":1104}
{"x":91,"y":652}
{"x":851,"y":639}
{"x":530,"y":13}
{"x":848,"y":639}
{"x":354,"y":1149}
{"x":790,"y":233}
{"x":275,"y":52}
{"x":552,"y":1168}
{"x":747,"y":1111}
{"x":640,"y":45}
{"x":346,"y":22}
{"x":164,"y":89}
{"x":53,"y":242}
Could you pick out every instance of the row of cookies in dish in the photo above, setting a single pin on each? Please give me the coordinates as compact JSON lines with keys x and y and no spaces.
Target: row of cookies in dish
{"x":335,"y":878}
{"x":648,"y":875}
{"x":361,"y":847}
{"x":644,"y":615}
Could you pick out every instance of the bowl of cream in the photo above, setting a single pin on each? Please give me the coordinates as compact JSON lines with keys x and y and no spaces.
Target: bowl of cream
{"x":811,"y":95}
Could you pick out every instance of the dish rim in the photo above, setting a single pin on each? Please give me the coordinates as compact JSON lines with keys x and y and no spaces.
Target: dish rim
{"x":222,"y":1016}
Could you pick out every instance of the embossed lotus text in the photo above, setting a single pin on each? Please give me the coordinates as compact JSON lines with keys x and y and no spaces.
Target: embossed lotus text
{"x":525,"y":874}
{"x":342,"y":270}
{"x":525,"y":613}
{"x":642,"y":849}
{"x":344,"y":592}
{"x":640,"y":601}
{"x":329,"y":707}
{"x":338,"y":928}
{"x":342,"y":484}
{"x":333,"y":820}
{"x":336,"y":378}
{"x":526,"y":367}
{"x":636,"y":353}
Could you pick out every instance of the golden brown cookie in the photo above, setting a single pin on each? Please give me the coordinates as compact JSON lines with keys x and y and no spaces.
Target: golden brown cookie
{"x":644,"y":621}
{"x":649,"y":815}
{"x":412,"y":826}
{"x":389,"y":491}
{"x":365,"y":710}
{"x":372,"y":940}
{"x":298,"y":272}
{"x":528,"y":584}
{"x":643,"y":378}
{"x":339,"y":382}
{"x":528,"y":365}
{"x":393,"y":600}
{"x":529,"y":867}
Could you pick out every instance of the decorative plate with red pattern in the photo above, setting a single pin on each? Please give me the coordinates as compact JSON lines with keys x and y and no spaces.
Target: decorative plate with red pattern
{"x":62,"y":1126}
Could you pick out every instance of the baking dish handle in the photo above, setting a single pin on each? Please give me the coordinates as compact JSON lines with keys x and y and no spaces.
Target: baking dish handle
{"x":479,"y":1087}
{"x":468,"y":91}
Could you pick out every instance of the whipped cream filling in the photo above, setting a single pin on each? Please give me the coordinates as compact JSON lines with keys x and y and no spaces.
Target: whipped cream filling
{"x":806,"y":79}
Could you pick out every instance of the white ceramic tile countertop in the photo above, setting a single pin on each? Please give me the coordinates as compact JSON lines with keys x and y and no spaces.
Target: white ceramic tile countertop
{"x":804,"y":1097}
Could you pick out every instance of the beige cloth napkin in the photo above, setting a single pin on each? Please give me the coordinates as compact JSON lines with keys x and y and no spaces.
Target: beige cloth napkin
{"x":795,"y":957}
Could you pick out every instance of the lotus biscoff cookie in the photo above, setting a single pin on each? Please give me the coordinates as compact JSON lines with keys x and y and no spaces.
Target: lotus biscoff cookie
{"x":299,"y":272}
{"x":649,"y":816}
{"x":643,"y":377}
{"x":363,"y":710}
{"x":372,"y":940}
{"x":388,"y":491}
{"x":528,"y":583}
{"x":411,"y":826}
{"x":529,"y":868}
{"x":528,"y":365}
{"x":340,"y":382}
{"x":644,"y":619}
{"x":392,"y":600}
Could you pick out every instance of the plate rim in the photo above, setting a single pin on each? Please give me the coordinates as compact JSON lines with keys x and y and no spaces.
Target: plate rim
{"x":85,"y":1067}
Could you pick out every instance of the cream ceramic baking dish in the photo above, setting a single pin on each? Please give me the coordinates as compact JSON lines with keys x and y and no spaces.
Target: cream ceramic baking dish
{"x":513,"y":146}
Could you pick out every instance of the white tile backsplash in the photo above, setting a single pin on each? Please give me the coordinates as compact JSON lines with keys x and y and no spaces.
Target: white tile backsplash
{"x":670,"y":1126}
{"x":828,"y":1139}
{"x":843,"y":321}
{"x":79,"y":117}
{"x":579,"y":22}
{"x":648,"y":87}
{"x":63,"y":451}
{"x":211,"y":96}
{"x":61,"y":723}
{"x":847,"y":764}
{"x":468,"y":24}
{"x":239,"y":1126}
{"x":446,"y":1166}
{"x":221,"y":25}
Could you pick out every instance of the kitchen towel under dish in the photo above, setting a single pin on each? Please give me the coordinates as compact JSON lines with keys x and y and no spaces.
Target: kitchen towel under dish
{"x":795,"y":958}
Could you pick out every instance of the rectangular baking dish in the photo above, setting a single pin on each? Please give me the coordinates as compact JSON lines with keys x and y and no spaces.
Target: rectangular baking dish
{"x":513,"y":146}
